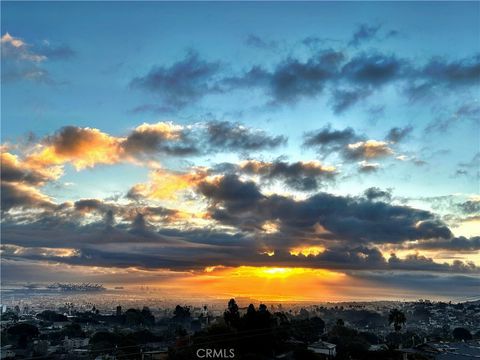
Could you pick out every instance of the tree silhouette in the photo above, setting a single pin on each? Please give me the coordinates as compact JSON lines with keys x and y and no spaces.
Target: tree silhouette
{"x":397,"y":318}
{"x":181,"y":313}
{"x":22,"y":334}
{"x":231,"y":315}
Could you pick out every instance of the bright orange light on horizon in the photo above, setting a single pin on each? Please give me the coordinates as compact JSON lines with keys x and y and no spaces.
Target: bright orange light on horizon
{"x":266,"y":283}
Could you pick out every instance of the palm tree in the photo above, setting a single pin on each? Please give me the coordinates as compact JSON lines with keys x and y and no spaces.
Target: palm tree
{"x":397,"y":318}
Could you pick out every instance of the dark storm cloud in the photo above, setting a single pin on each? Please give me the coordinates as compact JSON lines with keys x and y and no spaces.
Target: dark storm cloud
{"x":397,"y":134}
{"x":181,"y":83}
{"x":233,"y":251}
{"x":303,"y":176}
{"x":349,"y":219}
{"x":352,"y":226}
{"x":363,"y":33}
{"x":234,"y":136}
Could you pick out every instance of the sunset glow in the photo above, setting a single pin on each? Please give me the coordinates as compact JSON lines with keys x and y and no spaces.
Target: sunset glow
{"x":324,"y":151}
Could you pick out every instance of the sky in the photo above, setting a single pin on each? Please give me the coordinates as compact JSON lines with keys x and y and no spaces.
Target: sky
{"x":321,"y":151}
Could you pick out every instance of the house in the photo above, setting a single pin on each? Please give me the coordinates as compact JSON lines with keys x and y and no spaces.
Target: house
{"x":323,"y":347}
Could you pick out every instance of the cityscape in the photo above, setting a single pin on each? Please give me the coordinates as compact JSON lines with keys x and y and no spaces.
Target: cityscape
{"x":240,"y":180}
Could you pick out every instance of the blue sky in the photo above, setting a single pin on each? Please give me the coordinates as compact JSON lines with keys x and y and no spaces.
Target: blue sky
{"x":283,"y":72}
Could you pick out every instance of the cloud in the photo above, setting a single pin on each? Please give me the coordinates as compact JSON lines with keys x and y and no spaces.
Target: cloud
{"x":259,"y":43}
{"x":470,"y":206}
{"x":292,"y":79}
{"x":83,"y":147}
{"x":89,"y":147}
{"x":374,"y":69}
{"x":397,"y":134}
{"x":356,"y":220}
{"x":232,"y":192}
{"x":236,"y":137}
{"x":19,"y":182}
{"x":469,"y":111}
{"x":16,"y":49}
{"x":344,"y":99}
{"x":457,"y":244}
{"x":327,"y":140}
{"x":23,"y":61}
{"x":368,"y":167}
{"x":16,"y":170}
{"x":375,"y":193}
{"x":181,"y":83}
{"x":348,"y":144}
{"x":363,"y":33}
{"x":303,"y":176}
{"x":20,"y":196}
{"x":348,"y":229}
{"x":369,"y":149}
{"x":461,"y":72}
{"x":166,"y":185}
{"x":348,"y":80}
{"x":56,"y":52}
{"x":162,"y":137}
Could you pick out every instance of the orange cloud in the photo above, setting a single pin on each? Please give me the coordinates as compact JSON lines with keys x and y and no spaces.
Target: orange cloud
{"x":370,"y":149}
{"x":166,"y":185}
{"x":82,"y":147}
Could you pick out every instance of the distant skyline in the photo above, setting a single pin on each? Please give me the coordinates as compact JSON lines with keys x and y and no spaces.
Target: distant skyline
{"x":309,"y":151}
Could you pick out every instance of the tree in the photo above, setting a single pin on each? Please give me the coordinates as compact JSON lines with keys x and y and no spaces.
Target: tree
{"x":232,"y":315}
{"x":460,"y":333}
{"x":181,"y":313}
{"x":148,"y":318}
{"x":397,"y":318}
{"x":73,"y":330}
{"x":22,"y":334}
